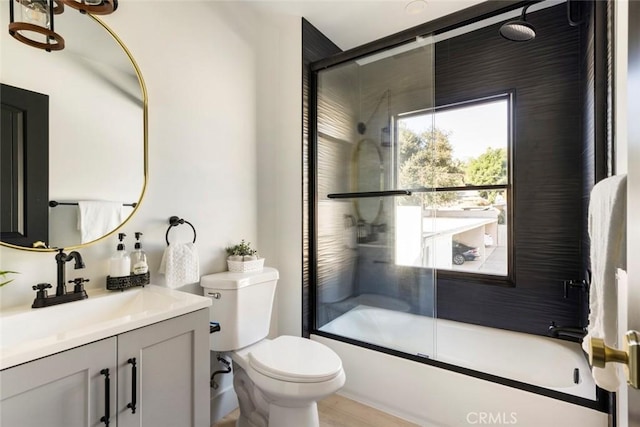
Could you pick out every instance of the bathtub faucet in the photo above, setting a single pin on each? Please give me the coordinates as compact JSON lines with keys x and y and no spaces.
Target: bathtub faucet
{"x":574,"y":333}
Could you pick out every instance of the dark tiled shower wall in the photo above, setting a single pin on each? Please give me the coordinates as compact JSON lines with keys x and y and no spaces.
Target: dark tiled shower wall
{"x":554,"y":154}
{"x":315,"y":46}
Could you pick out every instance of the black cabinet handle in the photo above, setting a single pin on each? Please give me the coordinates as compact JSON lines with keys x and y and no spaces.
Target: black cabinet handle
{"x":134,"y":375}
{"x":107,"y":396}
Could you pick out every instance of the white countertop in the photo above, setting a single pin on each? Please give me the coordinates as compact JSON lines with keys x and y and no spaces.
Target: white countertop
{"x":27,"y":334}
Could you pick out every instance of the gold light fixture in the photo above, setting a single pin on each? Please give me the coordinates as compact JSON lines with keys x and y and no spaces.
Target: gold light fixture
{"x":31,"y":22}
{"x":94,"y":7}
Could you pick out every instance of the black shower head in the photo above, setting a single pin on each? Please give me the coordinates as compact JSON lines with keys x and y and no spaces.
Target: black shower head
{"x":519,"y":30}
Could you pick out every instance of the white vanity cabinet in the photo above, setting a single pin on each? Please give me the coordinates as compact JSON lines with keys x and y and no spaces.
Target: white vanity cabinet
{"x":171,"y":381}
{"x":63,"y":390}
{"x":69,"y":389}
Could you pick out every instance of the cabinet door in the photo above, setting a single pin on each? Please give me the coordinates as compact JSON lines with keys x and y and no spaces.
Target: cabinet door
{"x":171,"y":381}
{"x":66,"y":389}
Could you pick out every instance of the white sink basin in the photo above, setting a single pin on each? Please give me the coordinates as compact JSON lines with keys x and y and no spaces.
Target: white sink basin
{"x":27,"y":334}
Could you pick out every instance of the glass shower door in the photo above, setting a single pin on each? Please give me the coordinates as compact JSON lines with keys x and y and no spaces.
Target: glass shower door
{"x":374,"y":278}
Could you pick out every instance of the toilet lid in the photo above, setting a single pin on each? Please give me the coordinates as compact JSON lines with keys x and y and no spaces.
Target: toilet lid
{"x":295,"y":359}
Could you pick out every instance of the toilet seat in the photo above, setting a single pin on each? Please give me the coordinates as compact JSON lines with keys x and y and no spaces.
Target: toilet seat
{"x":296,"y":360}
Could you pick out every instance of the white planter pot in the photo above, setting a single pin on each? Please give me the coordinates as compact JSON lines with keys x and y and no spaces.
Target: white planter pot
{"x":245,"y":266}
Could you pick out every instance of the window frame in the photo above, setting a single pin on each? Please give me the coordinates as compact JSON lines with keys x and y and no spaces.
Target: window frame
{"x":507,"y":280}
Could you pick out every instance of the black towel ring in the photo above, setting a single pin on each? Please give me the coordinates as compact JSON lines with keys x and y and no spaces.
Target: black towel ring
{"x":174,"y":221}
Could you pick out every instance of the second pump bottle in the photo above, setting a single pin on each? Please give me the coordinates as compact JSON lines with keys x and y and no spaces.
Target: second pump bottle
{"x":121,"y":264}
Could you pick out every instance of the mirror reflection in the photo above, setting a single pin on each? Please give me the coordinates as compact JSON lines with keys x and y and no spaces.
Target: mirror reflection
{"x":95,"y":152}
{"x":368,"y":175}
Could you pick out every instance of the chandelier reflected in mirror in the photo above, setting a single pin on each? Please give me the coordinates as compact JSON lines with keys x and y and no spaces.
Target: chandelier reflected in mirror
{"x":32,"y":21}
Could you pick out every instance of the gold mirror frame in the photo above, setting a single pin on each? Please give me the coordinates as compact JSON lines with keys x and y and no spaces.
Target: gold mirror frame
{"x":145,"y":123}
{"x":355,"y":164}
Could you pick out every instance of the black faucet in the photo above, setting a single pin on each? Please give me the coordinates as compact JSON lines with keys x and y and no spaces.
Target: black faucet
{"x":573,"y":333}
{"x":61,"y":259}
{"x":62,"y":296}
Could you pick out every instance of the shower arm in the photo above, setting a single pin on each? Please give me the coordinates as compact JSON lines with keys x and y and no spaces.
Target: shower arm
{"x":523,"y":17}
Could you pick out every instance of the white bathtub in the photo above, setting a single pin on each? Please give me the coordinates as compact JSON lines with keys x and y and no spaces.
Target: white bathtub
{"x":531,"y":359}
{"x":410,"y":389}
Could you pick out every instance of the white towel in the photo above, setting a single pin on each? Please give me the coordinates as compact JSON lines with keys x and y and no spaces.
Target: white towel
{"x":97,"y":218}
{"x":180,"y":265}
{"x":607,"y":232}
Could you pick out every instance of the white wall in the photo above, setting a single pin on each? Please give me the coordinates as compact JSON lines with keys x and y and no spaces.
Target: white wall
{"x":280,"y":163}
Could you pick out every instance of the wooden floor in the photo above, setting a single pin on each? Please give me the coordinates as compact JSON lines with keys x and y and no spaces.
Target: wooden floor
{"x":338,"y":411}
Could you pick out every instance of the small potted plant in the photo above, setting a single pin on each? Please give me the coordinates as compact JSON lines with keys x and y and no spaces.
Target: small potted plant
{"x":242,"y":258}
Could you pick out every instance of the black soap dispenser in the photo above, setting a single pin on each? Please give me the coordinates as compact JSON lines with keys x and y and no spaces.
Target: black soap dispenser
{"x":139,"y":258}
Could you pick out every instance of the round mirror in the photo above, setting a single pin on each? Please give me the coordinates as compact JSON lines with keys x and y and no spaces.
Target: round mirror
{"x":92,"y":155}
{"x":367,"y":171}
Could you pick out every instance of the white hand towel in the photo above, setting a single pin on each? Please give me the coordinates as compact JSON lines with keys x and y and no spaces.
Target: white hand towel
{"x":607,"y":232}
{"x":97,"y":218}
{"x":180,"y":265}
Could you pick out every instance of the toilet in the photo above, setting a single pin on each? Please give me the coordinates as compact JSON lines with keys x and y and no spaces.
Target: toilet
{"x":278,"y":381}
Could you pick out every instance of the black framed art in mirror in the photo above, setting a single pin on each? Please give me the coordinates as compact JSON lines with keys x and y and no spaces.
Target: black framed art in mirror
{"x":25,"y":149}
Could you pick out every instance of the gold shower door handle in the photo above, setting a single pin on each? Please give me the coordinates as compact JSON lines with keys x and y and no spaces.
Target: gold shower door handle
{"x":600,"y":354}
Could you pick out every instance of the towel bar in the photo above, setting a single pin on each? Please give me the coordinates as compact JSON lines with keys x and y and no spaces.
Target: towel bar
{"x":53,"y":204}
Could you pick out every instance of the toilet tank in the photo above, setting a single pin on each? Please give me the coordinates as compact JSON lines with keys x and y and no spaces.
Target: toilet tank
{"x":242,"y":305}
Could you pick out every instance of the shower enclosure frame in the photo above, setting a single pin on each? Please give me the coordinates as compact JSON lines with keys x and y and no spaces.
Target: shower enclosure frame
{"x":466,"y":16}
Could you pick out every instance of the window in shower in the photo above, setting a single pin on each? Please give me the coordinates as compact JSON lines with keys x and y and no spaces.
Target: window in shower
{"x":455,"y":161}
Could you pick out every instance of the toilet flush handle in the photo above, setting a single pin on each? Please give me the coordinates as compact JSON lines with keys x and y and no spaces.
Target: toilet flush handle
{"x":214,"y":295}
